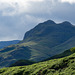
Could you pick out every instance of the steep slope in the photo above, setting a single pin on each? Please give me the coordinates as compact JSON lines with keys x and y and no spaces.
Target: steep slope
{"x":7,"y":43}
{"x":43,"y":41}
{"x":62,"y":66}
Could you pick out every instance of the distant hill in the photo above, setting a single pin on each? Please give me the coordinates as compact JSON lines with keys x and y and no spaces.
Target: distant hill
{"x":62,"y":66}
{"x":43,"y":41}
{"x":7,"y":43}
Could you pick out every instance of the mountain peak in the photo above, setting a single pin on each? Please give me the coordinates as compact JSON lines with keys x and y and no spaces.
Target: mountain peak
{"x":67,"y":23}
{"x":49,"y":22}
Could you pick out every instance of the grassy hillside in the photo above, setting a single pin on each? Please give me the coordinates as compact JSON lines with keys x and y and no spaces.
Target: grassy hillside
{"x":27,"y":62}
{"x":64,"y":54}
{"x":43,"y":41}
{"x":14,"y":53}
{"x":62,"y":66}
{"x":61,"y":55}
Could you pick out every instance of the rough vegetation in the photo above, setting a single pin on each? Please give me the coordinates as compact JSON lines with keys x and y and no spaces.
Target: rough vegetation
{"x":62,"y":66}
{"x":72,"y":49}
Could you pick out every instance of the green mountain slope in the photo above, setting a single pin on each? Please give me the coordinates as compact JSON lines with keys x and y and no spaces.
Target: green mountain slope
{"x":62,"y":66}
{"x":61,"y":55}
{"x":43,"y":41}
{"x":7,"y":43}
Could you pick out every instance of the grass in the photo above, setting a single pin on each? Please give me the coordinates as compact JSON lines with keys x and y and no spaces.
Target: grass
{"x":62,"y":66}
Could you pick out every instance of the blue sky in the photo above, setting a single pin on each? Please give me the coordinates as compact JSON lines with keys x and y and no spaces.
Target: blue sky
{"x":19,"y":16}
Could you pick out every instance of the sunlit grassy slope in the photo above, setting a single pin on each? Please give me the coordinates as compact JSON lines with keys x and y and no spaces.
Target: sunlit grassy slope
{"x":62,"y":66}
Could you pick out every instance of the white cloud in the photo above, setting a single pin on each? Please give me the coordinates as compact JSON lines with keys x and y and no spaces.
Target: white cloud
{"x":9,"y":38}
{"x":12,"y":7}
{"x":69,"y":1}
